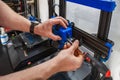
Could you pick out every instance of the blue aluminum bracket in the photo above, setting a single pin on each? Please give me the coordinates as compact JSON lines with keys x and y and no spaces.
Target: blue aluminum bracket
{"x":105,"y":5}
{"x":110,"y":46}
{"x":64,"y":33}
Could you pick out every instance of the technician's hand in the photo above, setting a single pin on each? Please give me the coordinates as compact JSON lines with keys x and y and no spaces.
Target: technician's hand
{"x":45,"y":28}
{"x":66,"y":59}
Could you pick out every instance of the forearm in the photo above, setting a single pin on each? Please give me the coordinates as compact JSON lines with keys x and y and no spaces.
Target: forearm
{"x":8,"y":18}
{"x":39,"y":72}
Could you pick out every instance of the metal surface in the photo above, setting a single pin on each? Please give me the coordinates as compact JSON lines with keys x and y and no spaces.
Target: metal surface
{"x":5,"y":64}
{"x":51,"y":9}
{"x":90,"y":41}
{"x":62,"y":8}
{"x":25,"y":8}
{"x":62,"y":5}
{"x":104,"y":25}
{"x":36,"y":8}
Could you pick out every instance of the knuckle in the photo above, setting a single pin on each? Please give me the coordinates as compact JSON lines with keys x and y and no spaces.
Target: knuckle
{"x":77,"y":66}
{"x":74,"y":69}
{"x":59,"y":17}
{"x":60,"y":20}
{"x":50,"y":21}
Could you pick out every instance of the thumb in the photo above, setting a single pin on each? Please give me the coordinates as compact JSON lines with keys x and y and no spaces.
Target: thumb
{"x":74,"y":45}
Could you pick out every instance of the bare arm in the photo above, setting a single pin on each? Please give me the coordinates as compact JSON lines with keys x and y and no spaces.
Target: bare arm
{"x":8,"y":18}
{"x":64,"y":61}
{"x":39,"y":72}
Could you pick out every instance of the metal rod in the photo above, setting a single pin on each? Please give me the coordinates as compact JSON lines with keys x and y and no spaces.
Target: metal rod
{"x":51,"y":10}
{"x":25,"y":8}
{"x":35,"y":8}
{"x":62,"y":8}
{"x":104,"y":25}
{"x":90,"y":41}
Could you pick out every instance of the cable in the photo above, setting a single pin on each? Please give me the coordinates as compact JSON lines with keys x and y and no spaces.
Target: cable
{"x":54,"y":5}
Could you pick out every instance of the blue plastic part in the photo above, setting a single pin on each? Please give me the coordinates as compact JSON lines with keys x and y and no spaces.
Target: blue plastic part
{"x":110,"y":46}
{"x":30,"y":38}
{"x":64,"y":33}
{"x":105,"y":5}
{"x":32,"y":18}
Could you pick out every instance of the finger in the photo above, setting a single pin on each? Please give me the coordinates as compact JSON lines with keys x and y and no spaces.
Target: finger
{"x":74,"y":45}
{"x":80,"y":57}
{"x":54,"y":37}
{"x":68,"y":45}
{"x":65,"y":47}
{"x":78,"y":52}
{"x":59,"y":21}
{"x":66,"y":22}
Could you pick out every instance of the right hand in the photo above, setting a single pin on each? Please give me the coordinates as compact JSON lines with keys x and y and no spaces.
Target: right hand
{"x":45,"y":28}
{"x":67,"y":61}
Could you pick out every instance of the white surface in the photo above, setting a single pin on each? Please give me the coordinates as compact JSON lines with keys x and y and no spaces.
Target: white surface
{"x":43,"y":8}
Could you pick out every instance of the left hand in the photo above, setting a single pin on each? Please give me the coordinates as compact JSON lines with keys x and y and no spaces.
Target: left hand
{"x":45,"y":28}
{"x":66,"y":59}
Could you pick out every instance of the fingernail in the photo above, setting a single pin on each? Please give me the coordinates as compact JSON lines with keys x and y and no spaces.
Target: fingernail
{"x":76,"y":41}
{"x":59,"y":38}
{"x":65,"y":26}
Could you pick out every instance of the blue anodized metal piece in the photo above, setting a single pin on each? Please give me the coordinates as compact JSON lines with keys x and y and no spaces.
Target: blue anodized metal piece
{"x":106,"y":5}
{"x":110,"y":46}
{"x":64,"y":33}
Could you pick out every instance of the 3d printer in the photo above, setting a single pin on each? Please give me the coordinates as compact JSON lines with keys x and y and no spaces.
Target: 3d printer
{"x":37,"y":50}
